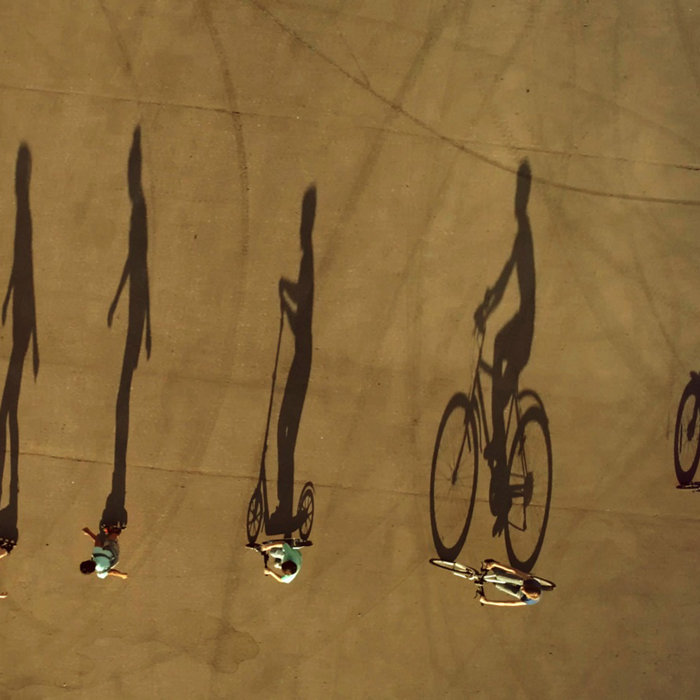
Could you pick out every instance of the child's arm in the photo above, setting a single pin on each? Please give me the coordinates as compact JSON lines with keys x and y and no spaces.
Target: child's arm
{"x":499,"y":603}
{"x":488,"y":564}
{"x":90,"y":534}
{"x":118,"y":574}
{"x":270,"y":545}
{"x":274,"y":575}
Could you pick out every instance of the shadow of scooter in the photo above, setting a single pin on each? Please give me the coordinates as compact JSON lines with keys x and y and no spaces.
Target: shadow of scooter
{"x":258,"y":516}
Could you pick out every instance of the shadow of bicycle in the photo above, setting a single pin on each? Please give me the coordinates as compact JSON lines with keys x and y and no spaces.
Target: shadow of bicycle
{"x":516,"y":441}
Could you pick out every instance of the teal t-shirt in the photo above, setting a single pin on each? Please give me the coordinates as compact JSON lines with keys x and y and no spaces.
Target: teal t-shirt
{"x":290,"y":554}
{"x":105,"y":558}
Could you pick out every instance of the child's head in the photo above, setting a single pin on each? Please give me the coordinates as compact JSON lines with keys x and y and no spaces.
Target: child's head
{"x":289,"y":568}
{"x":87,"y":567}
{"x":532,"y":588}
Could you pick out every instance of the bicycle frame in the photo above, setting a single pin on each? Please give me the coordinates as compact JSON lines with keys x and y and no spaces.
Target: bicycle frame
{"x":480,"y":578}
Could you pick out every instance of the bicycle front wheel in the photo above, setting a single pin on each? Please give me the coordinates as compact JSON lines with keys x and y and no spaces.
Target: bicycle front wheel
{"x":305,"y":510}
{"x":254,"y":516}
{"x":455,"y":568}
{"x":453,"y":477}
{"x":686,"y":443}
{"x":529,"y":487}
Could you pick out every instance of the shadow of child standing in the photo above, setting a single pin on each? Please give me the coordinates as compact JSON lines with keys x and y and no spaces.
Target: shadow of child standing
{"x":21,"y":289}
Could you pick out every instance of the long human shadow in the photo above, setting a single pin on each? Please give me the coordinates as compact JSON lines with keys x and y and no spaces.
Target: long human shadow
{"x":512,"y":344}
{"x":520,"y":454}
{"x":297,"y":300}
{"x":21,"y":289}
{"x":518,"y":449}
{"x":136,"y":271}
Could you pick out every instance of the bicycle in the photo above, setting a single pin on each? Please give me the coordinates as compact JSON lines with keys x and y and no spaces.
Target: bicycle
{"x":464,"y":427}
{"x":481,"y":576}
{"x":686,"y":442}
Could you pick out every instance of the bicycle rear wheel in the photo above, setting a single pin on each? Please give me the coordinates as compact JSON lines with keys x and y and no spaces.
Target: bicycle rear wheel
{"x":453,"y":477}
{"x":686,"y":443}
{"x":455,"y":568}
{"x":529,"y":487}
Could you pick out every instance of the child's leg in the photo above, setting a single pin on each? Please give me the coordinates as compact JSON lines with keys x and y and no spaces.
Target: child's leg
{"x":509,"y":588}
{"x":505,"y":581}
{"x":277,"y":553}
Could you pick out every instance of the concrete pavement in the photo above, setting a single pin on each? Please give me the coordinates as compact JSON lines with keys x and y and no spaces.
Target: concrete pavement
{"x":411,"y":120}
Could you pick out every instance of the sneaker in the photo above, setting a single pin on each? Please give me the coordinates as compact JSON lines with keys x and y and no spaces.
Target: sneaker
{"x":279,"y":519}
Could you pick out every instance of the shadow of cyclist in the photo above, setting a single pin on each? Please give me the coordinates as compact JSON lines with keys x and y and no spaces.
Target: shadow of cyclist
{"x":512,"y":344}
{"x":21,"y":288}
{"x":297,"y":300}
{"x":136,"y":271}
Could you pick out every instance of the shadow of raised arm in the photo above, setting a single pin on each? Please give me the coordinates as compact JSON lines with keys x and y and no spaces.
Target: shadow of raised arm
{"x":122,"y":282}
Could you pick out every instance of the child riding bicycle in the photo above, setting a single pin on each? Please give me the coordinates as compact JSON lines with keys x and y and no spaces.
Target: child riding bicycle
{"x":515,"y":583}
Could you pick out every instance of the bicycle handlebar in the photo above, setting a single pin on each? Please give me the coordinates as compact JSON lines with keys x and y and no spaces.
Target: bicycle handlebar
{"x":482,"y":311}
{"x":480,"y":335}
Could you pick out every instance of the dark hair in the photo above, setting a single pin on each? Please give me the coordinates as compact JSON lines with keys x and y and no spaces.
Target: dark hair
{"x":289,"y":567}
{"x":87,"y":567}
{"x":532,"y":588}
